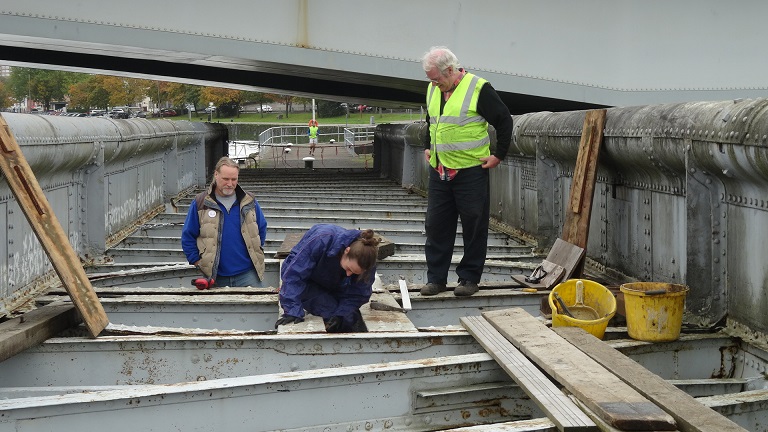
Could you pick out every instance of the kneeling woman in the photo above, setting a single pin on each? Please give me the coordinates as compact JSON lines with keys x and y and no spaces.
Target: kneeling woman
{"x":329,"y":273}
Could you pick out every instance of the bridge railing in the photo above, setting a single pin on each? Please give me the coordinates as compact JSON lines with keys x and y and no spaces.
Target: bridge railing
{"x":352,"y":137}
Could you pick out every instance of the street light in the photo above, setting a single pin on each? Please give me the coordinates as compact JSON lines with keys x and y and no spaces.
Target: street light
{"x":210,"y":111}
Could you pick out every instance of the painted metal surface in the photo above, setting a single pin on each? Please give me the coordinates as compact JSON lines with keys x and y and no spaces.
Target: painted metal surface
{"x":160,"y":359}
{"x":412,"y":395}
{"x":671,"y":178}
{"x":100,"y":177}
{"x":307,"y":40}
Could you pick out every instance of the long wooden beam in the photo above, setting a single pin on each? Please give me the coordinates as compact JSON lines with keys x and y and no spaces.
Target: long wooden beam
{"x":690,"y":414}
{"x":34,"y":327}
{"x":579,"y":209}
{"x":560,"y":410}
{"x":49,"y":232}
{"x":613,"y":400}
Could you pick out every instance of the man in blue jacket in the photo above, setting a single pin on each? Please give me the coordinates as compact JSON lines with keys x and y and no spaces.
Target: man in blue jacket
{"x":329,"y":273}
{"x":225,"y":230}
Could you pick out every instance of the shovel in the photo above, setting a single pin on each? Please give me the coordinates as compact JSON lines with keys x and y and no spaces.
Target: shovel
{"x":579,"y":309}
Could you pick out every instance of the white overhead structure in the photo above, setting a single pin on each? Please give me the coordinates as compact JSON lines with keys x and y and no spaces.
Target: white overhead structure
{"x":558,"y":54}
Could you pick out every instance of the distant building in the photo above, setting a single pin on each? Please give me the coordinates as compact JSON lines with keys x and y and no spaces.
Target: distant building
{"x":5,"y":71}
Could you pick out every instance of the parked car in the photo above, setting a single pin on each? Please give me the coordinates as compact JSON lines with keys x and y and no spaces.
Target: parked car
{"x":119,"y":113}
{"x":264,"y":108}
{"x":210,"y":109}
{"x":167,"y":112}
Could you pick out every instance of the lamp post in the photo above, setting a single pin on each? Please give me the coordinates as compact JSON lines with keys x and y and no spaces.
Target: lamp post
{"x":210,"y":111}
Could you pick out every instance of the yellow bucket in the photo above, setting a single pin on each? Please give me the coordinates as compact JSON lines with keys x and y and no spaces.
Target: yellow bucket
{"x":596,"y":296}
{"x":654,"y":310}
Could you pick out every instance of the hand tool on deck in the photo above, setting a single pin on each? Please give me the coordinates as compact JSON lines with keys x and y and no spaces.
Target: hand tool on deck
{"x":377,"y":305}
{"x":406,"y":298}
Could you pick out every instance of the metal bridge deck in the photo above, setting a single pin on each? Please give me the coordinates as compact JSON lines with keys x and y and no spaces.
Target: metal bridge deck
{"x":169,"y":344}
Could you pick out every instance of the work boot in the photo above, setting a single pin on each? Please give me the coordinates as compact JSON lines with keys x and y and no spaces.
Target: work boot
{"x":431,"y":289}
{"x":465,"y":289}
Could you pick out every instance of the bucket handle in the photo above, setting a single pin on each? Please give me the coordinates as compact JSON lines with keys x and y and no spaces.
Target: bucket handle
{"x":655,"y":292}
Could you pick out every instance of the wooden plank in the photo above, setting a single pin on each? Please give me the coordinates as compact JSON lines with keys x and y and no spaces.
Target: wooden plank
{"x":579,"y":210}
{"x":311,"y":324}
{"x":561,"y":410}
{"x":567,"y":255}
{"x":609,"y":397}
{"x":47,"y":228}
{"x":690,"y":414}
{"x":386,"y":247}
{"x":34,"y":327}
{"x":379,"y":321}
{"x":288,"y":243}
{"x":555,"y":273}
{"x":386,"y":320}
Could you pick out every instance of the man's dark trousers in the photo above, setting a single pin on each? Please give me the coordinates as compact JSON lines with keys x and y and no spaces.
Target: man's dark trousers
{"x":466,"y":196}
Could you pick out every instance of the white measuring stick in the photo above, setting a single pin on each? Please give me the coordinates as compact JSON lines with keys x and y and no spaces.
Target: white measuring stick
{"x":404,"y":294}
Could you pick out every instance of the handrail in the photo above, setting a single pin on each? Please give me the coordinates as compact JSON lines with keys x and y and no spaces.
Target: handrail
{"x":285,"y":137}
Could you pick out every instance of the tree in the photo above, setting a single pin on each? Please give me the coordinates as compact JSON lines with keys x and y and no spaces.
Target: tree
{"x":89,"y":93}
{"x":304,"y":101}
{"x":125,"y":91}
{"x":327,"y":109}
{"x":41,"y":85}
{"x":6,"y":100}
{"x":184,"y":94}
{"x":265,"y":98}
{"x":287,"y":100}
{"x":221,"y":96}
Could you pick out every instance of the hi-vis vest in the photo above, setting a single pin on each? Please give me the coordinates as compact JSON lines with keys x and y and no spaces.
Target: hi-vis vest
{"x":313,"y":131}
{"x":460,"y":135}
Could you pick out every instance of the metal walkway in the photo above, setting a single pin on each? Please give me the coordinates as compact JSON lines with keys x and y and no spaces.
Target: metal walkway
{"x":151,"y":259}
{"x":204,"y":353}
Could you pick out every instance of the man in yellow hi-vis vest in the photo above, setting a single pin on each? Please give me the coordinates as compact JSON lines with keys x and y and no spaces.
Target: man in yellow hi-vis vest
{"x":460,"y":106}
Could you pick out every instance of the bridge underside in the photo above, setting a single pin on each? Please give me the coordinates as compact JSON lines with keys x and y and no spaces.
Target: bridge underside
{"x":582,"y":56}
{"x":376,"y":90}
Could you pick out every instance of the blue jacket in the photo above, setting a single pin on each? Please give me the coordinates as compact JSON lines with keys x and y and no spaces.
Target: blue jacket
{"x":313,"y":270}
{"x":226,"y":251}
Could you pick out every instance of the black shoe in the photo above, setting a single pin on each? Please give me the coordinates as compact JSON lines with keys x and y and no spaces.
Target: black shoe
{"x":465,"y":289}
{"x":431,"y":289}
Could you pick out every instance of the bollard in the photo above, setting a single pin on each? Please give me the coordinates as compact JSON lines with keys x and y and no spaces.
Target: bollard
{"x":309,"y":162}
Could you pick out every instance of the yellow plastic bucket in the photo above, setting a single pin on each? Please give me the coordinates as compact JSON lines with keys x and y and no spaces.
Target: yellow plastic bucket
{"x":596,"y":296}
{"x":654,"y":310}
